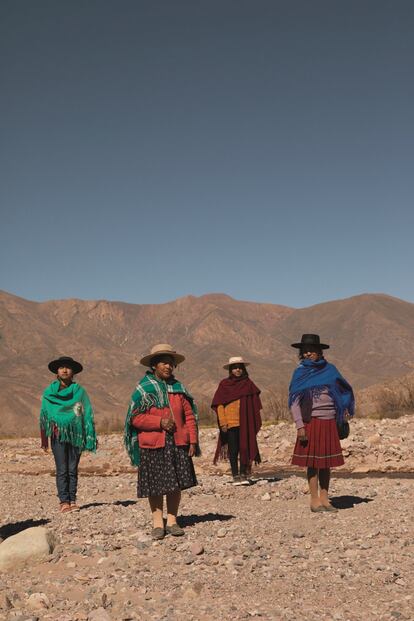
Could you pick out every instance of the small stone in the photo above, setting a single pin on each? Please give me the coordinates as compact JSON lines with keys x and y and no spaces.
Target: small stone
{"x":196,"y":549}
{"x":266,"y":496}
{"x":298,"y":534}
{"x":99,"y":614}
{"x":38,"y":601}
{"x":222,"y":532}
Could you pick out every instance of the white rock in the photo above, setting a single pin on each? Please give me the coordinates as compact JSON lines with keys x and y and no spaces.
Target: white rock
{"x":38,"y":601}
{"x":30,"y":545}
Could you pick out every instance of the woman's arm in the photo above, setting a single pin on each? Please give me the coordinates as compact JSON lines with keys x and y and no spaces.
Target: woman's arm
{"x":190,"y":420}
{"x":149,"y":422}
{"x":297,"y":414}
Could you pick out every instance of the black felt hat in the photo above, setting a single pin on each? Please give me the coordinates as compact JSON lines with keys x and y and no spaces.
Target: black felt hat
{"x":65,"y":361}
{"x":310,"y":340}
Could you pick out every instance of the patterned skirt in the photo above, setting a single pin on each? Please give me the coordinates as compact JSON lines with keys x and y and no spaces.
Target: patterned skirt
{"x":165,"y":470}
{"x":323,"y":449}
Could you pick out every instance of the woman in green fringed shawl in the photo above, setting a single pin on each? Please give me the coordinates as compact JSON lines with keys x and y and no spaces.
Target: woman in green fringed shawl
{"x":161,"y":437}
{"x":66,"y":417}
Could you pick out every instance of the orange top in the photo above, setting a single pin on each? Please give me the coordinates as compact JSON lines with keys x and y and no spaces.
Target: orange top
{"x":229,"y":414}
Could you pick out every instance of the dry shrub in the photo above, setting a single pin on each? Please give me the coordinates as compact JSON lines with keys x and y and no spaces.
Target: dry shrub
{"x":395,"y":401}
{"x":206,"y":416}
{"x":275,"y":406}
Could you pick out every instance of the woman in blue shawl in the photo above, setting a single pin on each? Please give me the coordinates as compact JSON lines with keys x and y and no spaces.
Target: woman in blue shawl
{"x":320,"y":400}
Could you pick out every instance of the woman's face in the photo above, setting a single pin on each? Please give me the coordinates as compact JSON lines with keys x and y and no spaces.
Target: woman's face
{"x":164,"y":367}
{"x":237,"y":370}
{"x":312,"y":353}
{"x":65,"y":374}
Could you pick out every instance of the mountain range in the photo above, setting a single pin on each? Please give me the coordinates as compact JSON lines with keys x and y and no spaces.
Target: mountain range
{"x":371,"y":339}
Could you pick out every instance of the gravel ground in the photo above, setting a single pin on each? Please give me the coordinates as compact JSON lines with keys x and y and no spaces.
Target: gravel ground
{"x":253,"y":551}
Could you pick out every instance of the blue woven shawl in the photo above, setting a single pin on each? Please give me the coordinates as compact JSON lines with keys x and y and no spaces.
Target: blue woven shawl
{"x":310,"y":379}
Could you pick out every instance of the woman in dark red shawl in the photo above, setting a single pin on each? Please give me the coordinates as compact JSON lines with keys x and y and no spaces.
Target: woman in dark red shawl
{"x":237,"y":405}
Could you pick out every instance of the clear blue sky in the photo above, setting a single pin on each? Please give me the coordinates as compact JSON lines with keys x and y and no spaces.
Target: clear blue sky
{"x":154,"y":149}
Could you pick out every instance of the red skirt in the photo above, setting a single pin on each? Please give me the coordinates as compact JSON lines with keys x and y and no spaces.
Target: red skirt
{"x":323,"y":449}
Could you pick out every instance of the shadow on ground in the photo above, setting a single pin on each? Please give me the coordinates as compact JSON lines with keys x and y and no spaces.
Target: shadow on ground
{"x":8,"y":530}
{"x":191,"y":520}
{"x":123,"y":503}
{"x":347,"y":502}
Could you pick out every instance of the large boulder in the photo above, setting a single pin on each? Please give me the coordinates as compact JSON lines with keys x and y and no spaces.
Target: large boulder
{"x":32,"y":544}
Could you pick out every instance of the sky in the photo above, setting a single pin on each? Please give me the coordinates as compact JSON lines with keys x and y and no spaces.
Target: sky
{"x":155,"y":149}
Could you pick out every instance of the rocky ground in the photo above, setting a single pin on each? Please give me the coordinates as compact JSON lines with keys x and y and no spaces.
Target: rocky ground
{"x":248,"y":552}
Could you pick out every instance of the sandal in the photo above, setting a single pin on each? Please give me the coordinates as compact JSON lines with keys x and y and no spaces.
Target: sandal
{"x":64,"y":507}
{"x":74,"y":506}
{"x":319,"y":509}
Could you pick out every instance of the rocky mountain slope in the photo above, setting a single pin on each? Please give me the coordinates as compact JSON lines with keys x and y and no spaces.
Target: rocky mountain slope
{"x":370,"y":337}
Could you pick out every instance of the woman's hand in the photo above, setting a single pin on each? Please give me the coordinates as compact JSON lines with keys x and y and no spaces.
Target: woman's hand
{"x":223,"y":428}
{"x":167,"y":424}
{"x":45,"y":450}
{"x":302,"y":437}
{"x":192,"y":450}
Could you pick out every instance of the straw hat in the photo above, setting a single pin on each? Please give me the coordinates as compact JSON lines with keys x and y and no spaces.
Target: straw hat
{"x":162,"y":349}
{"x":235,"y":360}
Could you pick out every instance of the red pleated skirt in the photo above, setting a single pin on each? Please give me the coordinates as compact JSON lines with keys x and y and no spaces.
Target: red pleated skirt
{"x":323,"y":449}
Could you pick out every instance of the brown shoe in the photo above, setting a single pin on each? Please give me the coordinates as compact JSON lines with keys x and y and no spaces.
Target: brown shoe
{"x":64,"y":507}
{"x":74,"y":506}
{"x":158,"y":533}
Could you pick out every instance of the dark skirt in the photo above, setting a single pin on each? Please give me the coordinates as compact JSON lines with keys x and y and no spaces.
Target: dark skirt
{"x":165,"y":470}
{"x":323,"y":449}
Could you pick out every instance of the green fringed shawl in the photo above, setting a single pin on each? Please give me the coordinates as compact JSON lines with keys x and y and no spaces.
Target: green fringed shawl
{"x":150,"y":392}
{"x":71,"y":412}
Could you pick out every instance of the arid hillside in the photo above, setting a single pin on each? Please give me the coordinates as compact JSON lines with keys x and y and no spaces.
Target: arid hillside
{"x":371,"y":339}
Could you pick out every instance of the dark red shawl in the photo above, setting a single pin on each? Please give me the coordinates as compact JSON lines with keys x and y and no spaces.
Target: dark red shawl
{"x":231,"y":389}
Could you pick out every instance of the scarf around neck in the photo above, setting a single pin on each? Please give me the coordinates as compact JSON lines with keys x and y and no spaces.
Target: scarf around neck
{"x":151,"y":392}
{"x":233,"y":388}
{"x":241,"y":388}
{"x":311,"y":378}
{"x":70,"y":412}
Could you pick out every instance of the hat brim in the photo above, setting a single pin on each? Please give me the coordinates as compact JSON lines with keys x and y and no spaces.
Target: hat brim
{"x":227,"y":366}
{"x":146,"y":360}
{"x":302,"y":345}
{"x":71,"y":364}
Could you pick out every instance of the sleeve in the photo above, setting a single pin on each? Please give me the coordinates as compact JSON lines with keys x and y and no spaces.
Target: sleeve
{"x":148,"y":422}
{"x":221,"y":415}
{"x":297,"y":414}
{"x":190,"y":420}
{"x":44,"y":439}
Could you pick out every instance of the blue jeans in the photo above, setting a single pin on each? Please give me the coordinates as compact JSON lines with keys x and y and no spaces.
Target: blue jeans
{"x":67,"y":460}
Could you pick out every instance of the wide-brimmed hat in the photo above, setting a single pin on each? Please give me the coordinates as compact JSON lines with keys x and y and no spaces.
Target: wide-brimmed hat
{"x":162,"y":349}
{"x":235,"y":360}
{"x":310,"y":340}
{"x":65,"y":361}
